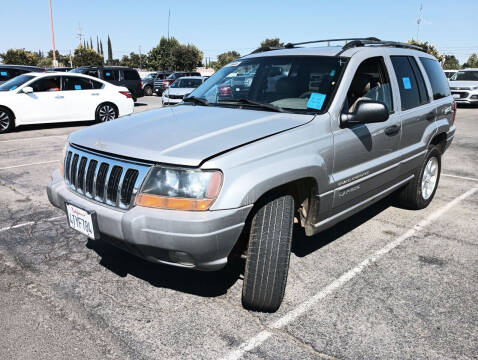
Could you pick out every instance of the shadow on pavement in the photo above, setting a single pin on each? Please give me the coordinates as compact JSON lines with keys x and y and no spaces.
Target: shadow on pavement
{"x":137,"y":104}
{"x":216,"y":283}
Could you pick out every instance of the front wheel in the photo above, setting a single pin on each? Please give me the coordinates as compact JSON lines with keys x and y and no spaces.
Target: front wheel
{"x":419,"y":192}
{"x":148,"y":91}
{"x":6,"y":120}
{"x":106,"y":112}
{"x":268,"y":255}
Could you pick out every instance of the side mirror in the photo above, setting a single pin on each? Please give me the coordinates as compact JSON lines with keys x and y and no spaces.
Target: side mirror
{"x":366,"y":111}
{"x":27,"y":89}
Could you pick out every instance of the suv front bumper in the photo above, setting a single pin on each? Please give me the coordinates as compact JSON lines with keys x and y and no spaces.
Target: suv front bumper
{"x":202,"y":240}
{"x":465,"y":96}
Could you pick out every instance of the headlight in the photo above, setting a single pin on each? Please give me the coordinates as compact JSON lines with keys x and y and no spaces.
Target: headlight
{"x":474,"y":88}
{"x":62,"y":161}
{"x":180,"y":189}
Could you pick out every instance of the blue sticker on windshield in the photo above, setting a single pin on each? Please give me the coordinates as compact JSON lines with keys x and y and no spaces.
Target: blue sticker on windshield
{"x":316,"y":101}
{"x":108,"y":74}
{"x":13,"y":87}
{"x":77,"y":87}
{"x":3,"y":73}
{"x":332,"y":72}
{"x":407,"y":85}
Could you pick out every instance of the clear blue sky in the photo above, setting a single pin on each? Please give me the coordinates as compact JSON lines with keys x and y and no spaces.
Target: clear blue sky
{"x":217,"y":26}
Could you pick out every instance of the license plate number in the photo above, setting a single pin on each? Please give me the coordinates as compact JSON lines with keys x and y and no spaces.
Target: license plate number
{"x":82,"y":221}
{"x":456,"y":96}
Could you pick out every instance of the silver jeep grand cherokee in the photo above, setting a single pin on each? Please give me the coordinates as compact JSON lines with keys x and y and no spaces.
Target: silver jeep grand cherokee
{"x":312,"y":134}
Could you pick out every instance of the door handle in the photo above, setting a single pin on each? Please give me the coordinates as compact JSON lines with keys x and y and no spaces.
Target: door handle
{"x":59,"y":97}
{"x":392,"y":130}
{"x":430,"y":116}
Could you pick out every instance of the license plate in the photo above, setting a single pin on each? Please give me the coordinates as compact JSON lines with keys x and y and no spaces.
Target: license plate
{"x":83,"y":221}
{"x":456,"y":96}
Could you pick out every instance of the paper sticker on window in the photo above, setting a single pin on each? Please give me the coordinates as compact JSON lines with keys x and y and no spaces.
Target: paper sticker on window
{"x":407,"y":85}
{"x":332,"y":72}
{"x":13,"y":87}
{"x":316,"y":101}
{"x":234,"y":63}
{"x":77,"y":87}
{"x":3,"y":73}
{"x":108,"y":74}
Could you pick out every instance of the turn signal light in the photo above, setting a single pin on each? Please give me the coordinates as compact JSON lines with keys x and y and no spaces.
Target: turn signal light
{"x":171,"y":203}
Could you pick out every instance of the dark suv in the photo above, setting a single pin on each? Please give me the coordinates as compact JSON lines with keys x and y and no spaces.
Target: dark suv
{"x":8,"y":72}
{"x":160,"y":85}
{"x":148,"y":81}
{"x":117,"y":75}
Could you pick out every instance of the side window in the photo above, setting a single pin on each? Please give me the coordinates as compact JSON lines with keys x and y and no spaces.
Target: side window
{"x":131,"y":75}
{"x":437,"y":78}
{"x":422,"y":88}
{"x":412,"y":91}
{"x":7,"y":74}
{"x":110,"y":75}
{"x":371,"y":82}
{"x":93,"y":73}
{"x":78,"y":83}
{"x":46,"y":84}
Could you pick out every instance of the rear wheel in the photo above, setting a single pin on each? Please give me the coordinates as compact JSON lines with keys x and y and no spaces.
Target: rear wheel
{"x":6,"y":120}
{"x":148,"y":91}
{"x":419,"y":192}
{"x":106,"y":112}
{"x":268,"y":255}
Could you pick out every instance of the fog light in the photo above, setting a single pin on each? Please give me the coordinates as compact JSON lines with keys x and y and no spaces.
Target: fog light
{"x":474,"y":97}
{"x":181,"y":257}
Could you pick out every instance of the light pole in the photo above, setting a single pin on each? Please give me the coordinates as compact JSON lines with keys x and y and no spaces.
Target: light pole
{"x":55,"y":62}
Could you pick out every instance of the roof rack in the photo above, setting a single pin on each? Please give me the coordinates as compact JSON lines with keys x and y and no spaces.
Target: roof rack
{"x":291,"y":45}
{"x":377,"y":42}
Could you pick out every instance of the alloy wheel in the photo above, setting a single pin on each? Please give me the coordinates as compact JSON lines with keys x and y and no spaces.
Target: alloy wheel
{"x":107,"y":113}
{"x":4,"y":121}
{"x":430,"y":177}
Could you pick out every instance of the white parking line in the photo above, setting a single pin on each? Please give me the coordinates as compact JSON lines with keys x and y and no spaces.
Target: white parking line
{"x":33,"y":138}
{"x":342,"y":280}
{"x":460,"y":177}
{"x":31,"y":164}
{"x":29,"y":223}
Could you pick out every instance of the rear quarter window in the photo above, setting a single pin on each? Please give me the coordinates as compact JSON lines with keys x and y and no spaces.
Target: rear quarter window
{"x":110,"y":75}
{"x":131,"y":75}
{"x":437,"y":78}
{"x":410,"y":83}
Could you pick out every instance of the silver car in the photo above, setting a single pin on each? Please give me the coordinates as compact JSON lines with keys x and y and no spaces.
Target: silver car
{"x":309,"y":135}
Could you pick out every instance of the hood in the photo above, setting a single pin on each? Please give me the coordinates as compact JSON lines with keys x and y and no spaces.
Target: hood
{"x":179,"y":91}
{"x":463,"y":84}
{"x":184,"y":135}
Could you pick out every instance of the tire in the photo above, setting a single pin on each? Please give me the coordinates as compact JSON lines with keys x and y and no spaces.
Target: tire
{"x":148,"y":91}
{"x":419,"y":192}
{"x":7,"y":121}
{"x":268,"y":255}
{"x":106,"y":112}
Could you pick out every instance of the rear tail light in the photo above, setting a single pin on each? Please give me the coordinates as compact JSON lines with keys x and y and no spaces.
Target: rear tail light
{"x":165,"y":83}
{"x":126,"y":93}
{"x":225,"y":90}
{"x":141,"y":83}
{"x":454,"y":113}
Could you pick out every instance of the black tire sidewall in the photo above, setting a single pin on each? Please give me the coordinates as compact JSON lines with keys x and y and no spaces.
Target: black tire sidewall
{"x":148,"y":91}
{"x":10,"y":120}
{"x":97,"y":113}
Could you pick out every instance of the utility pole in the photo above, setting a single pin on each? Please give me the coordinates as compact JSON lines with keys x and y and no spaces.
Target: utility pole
{"x":140,"y":66}
{"x":55,"y":62}
{"x":71,"y":60}
{"x":419,"y":20}
{"x":169,"y":18}
{"x":79,"y":34}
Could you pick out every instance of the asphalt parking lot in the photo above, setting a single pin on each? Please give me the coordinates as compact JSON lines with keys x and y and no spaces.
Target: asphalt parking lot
{"x":386,"y":283}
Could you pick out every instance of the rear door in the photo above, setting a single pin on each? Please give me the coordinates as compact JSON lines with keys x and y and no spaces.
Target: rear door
{"x":81,"y":96}
{"x":132,"y":81}
{"x":417,"y":111}
{"x":365,"y":159}
{"x":111,"y":75}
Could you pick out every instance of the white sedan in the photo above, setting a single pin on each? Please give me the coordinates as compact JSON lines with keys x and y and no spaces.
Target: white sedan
{"x":36,"y":98}
{"x":183,"y":86}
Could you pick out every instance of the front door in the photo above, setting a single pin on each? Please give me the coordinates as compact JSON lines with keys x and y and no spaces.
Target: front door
{"x":365,"y":155}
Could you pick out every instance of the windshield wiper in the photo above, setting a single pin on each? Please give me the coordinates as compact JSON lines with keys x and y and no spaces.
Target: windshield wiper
{"x":258,"y":104}
{"x":196,"y":100}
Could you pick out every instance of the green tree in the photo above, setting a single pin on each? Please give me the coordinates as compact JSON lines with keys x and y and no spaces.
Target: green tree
{"x":187,"y":57}
{"x":97,"y":45}
{"x":428,"y":48}
{"x":161,"y":56}
{"x":84,"y":56}
{"x":450,"y":62}
{"x":20,"y":57}
{"x":135,"y":60}
{"x":472,"y":61}
{"x":110,"y":51}
{"x":272,"y":43}
{"x":224,"y":59}
{"x":101,"y":48}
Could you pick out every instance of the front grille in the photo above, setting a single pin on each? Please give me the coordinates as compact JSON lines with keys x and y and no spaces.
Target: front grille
{"x":111,"y":181}
{"x":463,"y":95}
{"x":175,"y":96}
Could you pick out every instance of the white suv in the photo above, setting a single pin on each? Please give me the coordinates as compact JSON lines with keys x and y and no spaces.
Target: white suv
{"x":464,"y":86}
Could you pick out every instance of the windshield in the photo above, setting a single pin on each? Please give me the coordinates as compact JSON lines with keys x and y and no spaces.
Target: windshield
{"x":465,"y":76}
{"x":15,"y":82}
{"x":186,"y":83}
{"x":150,"y":76}
{"x":302,"y":84}
{"x":77,"y":70}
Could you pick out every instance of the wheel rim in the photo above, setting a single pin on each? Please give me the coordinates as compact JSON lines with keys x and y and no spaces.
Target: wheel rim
{"x":4,"y":121}
{"x":430,"y":177}
{"x":107,"y":113}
